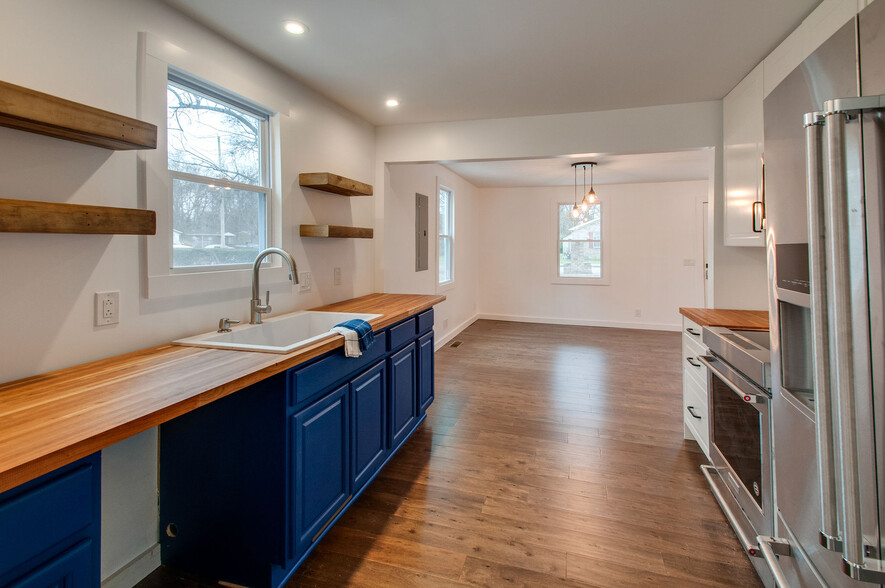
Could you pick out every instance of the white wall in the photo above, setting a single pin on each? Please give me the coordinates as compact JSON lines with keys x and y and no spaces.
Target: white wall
{"x":652,"y":230}
{"x":740,"y":279}
{"x":86,"y":51}
{"x":403,"y":181}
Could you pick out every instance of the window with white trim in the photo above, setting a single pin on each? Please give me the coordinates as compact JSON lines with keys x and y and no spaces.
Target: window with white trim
{"x":446,"y":236}
{"x":219,"y":176}
{"x":580,"y":243}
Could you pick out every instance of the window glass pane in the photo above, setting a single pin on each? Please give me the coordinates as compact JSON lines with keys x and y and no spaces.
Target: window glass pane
{"x":212,"y":225}
{"x":444,"y":212}
{"x":580,"y":259}
{"x":211,"y":138}
{"x":445,"y":260}
{"x":586,"y":226}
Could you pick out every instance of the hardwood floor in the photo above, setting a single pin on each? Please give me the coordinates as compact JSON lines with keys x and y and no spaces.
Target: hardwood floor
{"x":552,"y":456}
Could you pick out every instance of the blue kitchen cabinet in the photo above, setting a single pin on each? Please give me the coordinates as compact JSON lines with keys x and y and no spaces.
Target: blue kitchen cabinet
{"x":403,"y":394}
{"x":321,"y":476}
{"x":250,"y":483}
{"x":425,"y":372}
{"x":368,"y":400}
{"x":71,"y":569}
{"x":50,"y":528}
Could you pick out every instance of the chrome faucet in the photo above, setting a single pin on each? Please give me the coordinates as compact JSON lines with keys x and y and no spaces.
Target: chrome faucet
{"x":256,"y":308}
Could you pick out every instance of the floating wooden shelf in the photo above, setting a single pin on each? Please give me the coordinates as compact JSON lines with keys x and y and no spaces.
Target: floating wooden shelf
{"x":28,"y":216}
{"x":335,"y":184}
{"x":336,"y":232}
{"x":29,"y":110}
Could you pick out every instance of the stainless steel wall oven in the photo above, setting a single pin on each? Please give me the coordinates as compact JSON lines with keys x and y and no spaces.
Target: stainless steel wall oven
{"x":740,"y":432}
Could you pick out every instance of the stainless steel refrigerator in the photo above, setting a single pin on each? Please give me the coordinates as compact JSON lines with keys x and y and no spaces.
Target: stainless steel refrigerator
{"x":825,"y":239}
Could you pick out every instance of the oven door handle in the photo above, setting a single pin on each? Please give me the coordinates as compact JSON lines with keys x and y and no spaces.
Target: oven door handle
{"x":772,"y":548}
{"x":750,"y":547}
{"x":708,"y":360}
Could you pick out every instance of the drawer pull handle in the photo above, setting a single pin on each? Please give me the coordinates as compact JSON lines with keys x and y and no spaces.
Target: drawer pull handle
{"x":690,"y":410}
{"x":693,"y":362}
{"x":691,"y":331}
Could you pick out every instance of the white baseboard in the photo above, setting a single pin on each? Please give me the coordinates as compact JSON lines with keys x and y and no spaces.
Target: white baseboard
{"x":580,"y":322}
{"x":444,"y":339}
{"x":135,"y":571}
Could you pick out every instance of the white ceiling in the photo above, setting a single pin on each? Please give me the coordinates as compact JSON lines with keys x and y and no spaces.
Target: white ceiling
{"x":611,"y":169}
{"x":474,"y":59}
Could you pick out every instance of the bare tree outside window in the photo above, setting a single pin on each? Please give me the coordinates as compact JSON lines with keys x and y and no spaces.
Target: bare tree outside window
{"x":218,"y":172}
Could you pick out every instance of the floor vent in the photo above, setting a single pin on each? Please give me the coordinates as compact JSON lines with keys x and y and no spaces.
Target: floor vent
{"x":456,"y":344}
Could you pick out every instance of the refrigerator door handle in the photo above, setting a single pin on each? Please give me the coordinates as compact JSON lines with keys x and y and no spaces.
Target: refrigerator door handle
{"x":854,"y":562}
{"x":817,"y":262}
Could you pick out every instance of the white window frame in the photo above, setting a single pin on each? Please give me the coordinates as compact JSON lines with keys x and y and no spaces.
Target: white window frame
{"x":449,"y":284}
{"x":605,"y":242}
{"x":157,"y":59}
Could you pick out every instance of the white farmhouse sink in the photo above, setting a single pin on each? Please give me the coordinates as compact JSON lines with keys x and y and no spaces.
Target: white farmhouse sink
{"x":280,"y":334}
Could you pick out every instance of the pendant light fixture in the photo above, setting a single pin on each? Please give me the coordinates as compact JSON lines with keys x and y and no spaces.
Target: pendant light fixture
{"x":589,"y":195}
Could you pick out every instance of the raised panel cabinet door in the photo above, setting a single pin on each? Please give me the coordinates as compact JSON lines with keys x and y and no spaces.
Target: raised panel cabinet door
{"x":320,"y":469}
{"x":72,"y":569}
{"x":403,"y":404}
{"x":425,"y":372}
{"x":368,"y":400}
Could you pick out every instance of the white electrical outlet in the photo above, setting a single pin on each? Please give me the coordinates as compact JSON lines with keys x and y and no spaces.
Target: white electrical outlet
{"x":637,"y":312}
{"x":304,"y":283}
{"x":336,"y":276}
{"x":107,"y":308}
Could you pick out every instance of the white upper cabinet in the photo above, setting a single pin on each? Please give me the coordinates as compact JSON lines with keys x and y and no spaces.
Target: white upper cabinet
{"x":742,"y":135}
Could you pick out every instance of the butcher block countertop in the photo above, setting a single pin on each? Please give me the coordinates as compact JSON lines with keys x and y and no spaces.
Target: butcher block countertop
{"x":749,"y":320}
{"x":50,"y":420}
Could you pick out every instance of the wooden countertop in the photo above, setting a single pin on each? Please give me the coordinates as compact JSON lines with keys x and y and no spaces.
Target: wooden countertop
{"x":750,"y":320}
{"x":50,"y":420}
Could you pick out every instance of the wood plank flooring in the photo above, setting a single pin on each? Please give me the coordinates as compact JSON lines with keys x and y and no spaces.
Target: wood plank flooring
{"x":552,"y":456}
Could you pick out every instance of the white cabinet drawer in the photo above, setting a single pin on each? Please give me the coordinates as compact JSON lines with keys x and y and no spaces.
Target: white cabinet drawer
{"x":691,"y":329}
{"x":692,"y":368}
{"x":695,"y":412}
{"x":692,"y":346}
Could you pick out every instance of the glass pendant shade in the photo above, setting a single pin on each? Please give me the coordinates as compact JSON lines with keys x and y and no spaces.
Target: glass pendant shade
{"x":589,"y":198}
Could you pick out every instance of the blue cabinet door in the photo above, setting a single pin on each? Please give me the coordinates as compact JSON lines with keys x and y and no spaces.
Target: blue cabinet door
{"x":72,"y":569}
{"x":368,"y":400}
{"x":43,"y":520}
{"x":403,"y":400}
{"x":425,"y":372}
{"x":321,"y":473}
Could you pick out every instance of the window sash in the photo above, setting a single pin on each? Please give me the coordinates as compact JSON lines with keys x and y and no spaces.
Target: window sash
{"x":263,"y":190}
{"x":446,"y":263}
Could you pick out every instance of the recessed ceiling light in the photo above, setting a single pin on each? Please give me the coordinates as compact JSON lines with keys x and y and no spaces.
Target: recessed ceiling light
{"x":295,"y":27}
{"x":392,"y":103}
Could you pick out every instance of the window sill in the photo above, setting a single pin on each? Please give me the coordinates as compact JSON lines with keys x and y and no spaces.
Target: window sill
{"x":604,"y":281}
{"x":445,"y":287}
